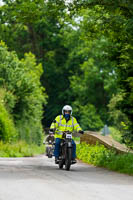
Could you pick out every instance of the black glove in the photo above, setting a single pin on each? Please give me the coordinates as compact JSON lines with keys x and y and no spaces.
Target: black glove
{"x":51,"y":131}
{"x":81,"y":132}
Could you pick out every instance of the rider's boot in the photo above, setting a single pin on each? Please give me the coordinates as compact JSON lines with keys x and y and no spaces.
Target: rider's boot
{"x":56,"y":160}
{"x":74,"y":160}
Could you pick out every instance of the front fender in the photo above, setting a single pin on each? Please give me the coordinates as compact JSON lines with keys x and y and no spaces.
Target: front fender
{"x":69,"y":144}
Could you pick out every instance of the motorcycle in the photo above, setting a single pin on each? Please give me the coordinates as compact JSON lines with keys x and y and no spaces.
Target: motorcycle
{"x":50,"y":145}
{"x":65,"y":156}
{"x":50,"y":149}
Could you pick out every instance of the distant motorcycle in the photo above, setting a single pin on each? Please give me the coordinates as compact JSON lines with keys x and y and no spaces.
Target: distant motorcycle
{"x":50,"y":145}
{"x":65,"y":157}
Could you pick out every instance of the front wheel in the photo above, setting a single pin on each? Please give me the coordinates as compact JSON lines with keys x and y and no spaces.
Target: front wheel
{"x":50,"y":152}
{"x":68,"y":159}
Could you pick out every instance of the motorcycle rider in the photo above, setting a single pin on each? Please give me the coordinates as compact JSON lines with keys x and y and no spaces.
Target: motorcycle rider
{"x":64,"y":122}
{"x":50,"y":138}
{"x":49,"y":141}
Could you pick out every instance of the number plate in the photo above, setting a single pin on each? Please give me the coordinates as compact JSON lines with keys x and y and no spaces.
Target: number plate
{"x":69,"y":136}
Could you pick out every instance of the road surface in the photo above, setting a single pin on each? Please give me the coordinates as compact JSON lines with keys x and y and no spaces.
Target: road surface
{"x":38,"y":178}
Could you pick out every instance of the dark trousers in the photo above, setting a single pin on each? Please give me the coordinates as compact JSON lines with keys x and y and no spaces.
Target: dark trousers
{"x":57,"y":148}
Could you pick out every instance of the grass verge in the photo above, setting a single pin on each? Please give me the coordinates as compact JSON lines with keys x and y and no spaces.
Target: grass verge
{"x":20,"y":149}
{"x":100,"y":156}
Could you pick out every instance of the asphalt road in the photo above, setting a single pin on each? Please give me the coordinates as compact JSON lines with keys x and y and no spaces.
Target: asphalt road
{"x":39,"y":178}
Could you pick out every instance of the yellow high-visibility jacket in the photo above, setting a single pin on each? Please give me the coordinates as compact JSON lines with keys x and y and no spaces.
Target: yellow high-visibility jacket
{"x":61,"y":125}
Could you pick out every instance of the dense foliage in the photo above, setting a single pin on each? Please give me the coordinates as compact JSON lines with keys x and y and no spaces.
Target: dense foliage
{"x":100,"y":156}
{"x":85,"y":48}
{"x":21,"y":96}
{"x":20,"y":149}
{"x":7,"y":128}
{"x":116,"y":23}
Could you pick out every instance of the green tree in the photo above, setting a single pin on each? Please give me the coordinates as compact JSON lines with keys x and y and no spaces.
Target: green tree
{"x":35,"y":26}
{"x":8,"y":132}
{"x":25,"y":96}
{"x":117,"y":26}
{"x":85,"y":48}
{"x":92,"y":71}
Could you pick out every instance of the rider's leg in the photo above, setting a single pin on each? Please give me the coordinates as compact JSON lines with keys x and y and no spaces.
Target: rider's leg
{"x":57,"y":147}
{"x":73,"y":150}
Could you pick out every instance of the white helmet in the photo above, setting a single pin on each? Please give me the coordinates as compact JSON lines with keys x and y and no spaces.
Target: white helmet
{"x":67,"y":108}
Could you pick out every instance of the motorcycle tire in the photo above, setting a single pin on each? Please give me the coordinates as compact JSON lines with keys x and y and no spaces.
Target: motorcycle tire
{"x":49,"y":153}
{"x":68,"y":159}
{"x":49,"y":156}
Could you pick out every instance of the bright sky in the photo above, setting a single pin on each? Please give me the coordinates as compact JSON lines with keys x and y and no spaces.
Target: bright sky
{"x":1,"y":3}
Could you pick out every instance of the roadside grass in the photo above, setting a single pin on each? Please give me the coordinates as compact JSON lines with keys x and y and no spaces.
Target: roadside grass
{"x":77,"y":139}
{"x":100,"y":156}
{"x":20,"y":149}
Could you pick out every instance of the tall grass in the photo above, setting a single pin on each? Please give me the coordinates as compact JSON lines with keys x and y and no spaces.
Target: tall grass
{"x":100,"y":156}
{"x":20,"y":149}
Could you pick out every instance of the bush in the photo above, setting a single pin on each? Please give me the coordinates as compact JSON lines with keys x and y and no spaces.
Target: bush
{"x":115,"y":134}
{"x":20,"y":149}
{"x":100,"y":156}
{"x":8,"y":132}
{"x":24,"y":96}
